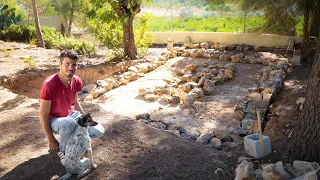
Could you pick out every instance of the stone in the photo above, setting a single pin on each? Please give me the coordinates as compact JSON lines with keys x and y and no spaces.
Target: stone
{"x":229,"y":73}
{"x":254,"y":96}
{"x":198,"y":92}
{"x":151,"y":97}
{"x":145,"y":116}
{"x":195,"y":46}
{"x":206,"y":56}
{"x":124,"y":81}
{"x":208,"y":51}
{"x":239,"y":48}
{"x":305,"y":167}
{"x":188,"y":45}
{"x":133,"y":69}
{"x":88,"y":98}
{"x":186,"y":87}
{"x":312,"y":175}
{"x":143,"y":121}
{"x":230,"y":66}
{"x":248,"y":125}
{"x":225,"y":57}
{"x":145,"y":90}
{"x":230,"y":47}
{"x":268,"y":172}
{"x":222,"y":48}
{"x":237,"y":130}
{"x":190,"y":67}
{"x":218,"y":80}
{"x":172,"y":126}
{"x":280,"y":170}
{"x":97,"y":91}
{"x":245,"y":171}
{"x":214,"y":72}
{"x":88,"y":88}
{"x":245,"y":49}
{"x":294,"y":172}
{"x":157,"y":125}
{"x":188,"y":100}
{"x":209,"y":87}
{"x":176,"y":132}
{"x":175,"y":99}
{"x":215,"y":55}
{"x":235,"y":59}
{"x":205,"y":138}
{"x":266,"y":97}
{"x":218,"y":170}
{"x":167,"y":98}
{"x":186,"y":135}
{"x":204,"y":45}
{"x":215,"y":142}
{"x":201,"y":81}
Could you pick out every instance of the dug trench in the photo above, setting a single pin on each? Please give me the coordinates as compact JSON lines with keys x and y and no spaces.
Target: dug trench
{"x":130,"y":148}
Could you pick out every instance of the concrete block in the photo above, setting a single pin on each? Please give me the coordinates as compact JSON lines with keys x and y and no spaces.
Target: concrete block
{"x":252,"y":145}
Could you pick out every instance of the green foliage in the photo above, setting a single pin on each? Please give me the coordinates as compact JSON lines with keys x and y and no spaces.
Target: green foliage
{"x":218,"y":8}
{"x":186,"y":13}
{"x":8,"y":16}
{"x":143,"y":36}
{"x":104,"y":25}
{"x":81,"y":47}
{"x":27,"y":33}
{"x":30,"y":63}
{"x":210,"y":24}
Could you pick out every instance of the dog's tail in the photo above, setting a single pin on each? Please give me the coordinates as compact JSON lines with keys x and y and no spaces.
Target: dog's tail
{"x":66,"y":176}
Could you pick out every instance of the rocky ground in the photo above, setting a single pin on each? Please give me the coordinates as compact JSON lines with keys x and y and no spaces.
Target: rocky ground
{"x":132,"y":149}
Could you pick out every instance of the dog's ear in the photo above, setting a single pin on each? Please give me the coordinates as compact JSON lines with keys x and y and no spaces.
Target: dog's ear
{"x":88,"y":114}
{"x":82,"y":120}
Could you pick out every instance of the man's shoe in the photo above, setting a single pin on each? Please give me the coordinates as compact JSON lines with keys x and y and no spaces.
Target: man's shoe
{"x":62,"y":158}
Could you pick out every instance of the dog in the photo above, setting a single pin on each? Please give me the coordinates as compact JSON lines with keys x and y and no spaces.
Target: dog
{"x":78,"y":143}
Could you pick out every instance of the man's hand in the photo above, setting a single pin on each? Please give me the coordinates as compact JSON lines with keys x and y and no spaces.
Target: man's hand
{"x":54,"y":145}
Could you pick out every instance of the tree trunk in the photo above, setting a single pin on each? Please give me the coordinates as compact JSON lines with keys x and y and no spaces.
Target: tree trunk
{"x":314,"y":28}
{"x":306,"y":26}
{"x":71,"y":17}
{"x":37,"y":23}
{"x":305,"y":140}
{"x":128,"y":38}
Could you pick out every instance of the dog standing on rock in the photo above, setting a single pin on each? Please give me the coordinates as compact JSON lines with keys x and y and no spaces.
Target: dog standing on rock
{"x":78,"y":143}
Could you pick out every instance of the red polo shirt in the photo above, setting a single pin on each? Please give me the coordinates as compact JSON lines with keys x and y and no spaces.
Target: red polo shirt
{"x":62,"y":98}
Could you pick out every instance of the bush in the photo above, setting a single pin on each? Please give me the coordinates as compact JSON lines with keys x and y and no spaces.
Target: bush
{"x":27,"y":33}
{"x":81,"y":47}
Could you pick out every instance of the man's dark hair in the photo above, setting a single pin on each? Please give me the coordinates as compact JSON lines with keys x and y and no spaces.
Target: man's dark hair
{"x":71,"y":54}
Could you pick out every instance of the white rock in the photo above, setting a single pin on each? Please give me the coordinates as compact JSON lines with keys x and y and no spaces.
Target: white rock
{"x":280,"y":169}
{"x":245,"y":171}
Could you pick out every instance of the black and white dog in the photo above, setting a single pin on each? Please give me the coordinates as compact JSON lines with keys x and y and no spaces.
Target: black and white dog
{"x":78,"y":143}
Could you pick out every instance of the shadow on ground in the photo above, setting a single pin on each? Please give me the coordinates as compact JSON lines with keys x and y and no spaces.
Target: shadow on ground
{"x":133,"y":150}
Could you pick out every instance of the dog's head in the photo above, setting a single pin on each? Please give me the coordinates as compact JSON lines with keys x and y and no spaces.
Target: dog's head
{"x":86,"y":120}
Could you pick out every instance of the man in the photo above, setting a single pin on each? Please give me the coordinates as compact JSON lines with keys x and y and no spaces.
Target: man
{"x":59,"y":105}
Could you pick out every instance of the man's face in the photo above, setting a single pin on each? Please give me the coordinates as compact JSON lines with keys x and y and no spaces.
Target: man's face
{"x":68,"y":67}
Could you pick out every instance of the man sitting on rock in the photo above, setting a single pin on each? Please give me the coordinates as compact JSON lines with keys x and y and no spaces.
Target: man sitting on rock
{"x":59,"y":105}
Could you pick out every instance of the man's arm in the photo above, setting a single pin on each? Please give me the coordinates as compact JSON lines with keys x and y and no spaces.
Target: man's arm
{"x":45,"y":106}
{"x":77,"y":105}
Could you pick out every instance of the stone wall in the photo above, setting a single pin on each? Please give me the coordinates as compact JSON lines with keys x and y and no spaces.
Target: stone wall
{"x":266,"y":40}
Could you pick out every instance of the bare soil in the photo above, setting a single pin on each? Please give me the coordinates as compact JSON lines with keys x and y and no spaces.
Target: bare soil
{"x":129,"y":149}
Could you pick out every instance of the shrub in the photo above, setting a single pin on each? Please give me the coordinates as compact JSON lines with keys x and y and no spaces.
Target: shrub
{"x":27,"y":33}
{"x":81,"y":47}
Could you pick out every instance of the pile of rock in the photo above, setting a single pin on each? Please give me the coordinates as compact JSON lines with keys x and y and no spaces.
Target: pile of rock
{"x":218,"y":140}
{"x":131,"y":73}
{"x":259,"y":97}
{"x":299,"y":170}
{"x":191,"y":83}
